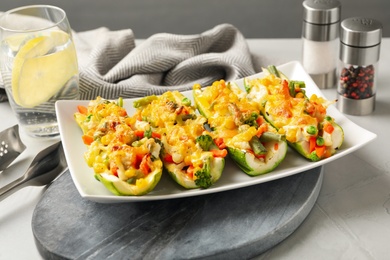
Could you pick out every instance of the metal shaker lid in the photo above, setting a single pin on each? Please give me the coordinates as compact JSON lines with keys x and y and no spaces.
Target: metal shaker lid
{"x":321,"y":11}
{"x":361,"y":32}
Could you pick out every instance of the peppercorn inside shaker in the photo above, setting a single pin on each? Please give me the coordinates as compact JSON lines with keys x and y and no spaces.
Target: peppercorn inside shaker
{"x":357,"y":82}
{"x":360,"y":40}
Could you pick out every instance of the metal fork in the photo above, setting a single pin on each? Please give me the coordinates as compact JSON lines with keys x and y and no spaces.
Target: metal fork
{"x":47,"y":165}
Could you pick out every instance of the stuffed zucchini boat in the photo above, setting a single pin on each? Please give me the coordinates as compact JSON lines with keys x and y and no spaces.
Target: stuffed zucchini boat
{"x":189,"y":153}
{"x":124,"y":161}
{"x":303,"y":120}
{"x":237,"y":124}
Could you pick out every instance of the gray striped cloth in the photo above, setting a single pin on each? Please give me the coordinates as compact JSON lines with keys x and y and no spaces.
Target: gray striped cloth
{"x":112,"y":66}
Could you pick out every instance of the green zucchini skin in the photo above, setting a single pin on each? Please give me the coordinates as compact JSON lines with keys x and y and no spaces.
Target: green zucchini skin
{"x":302,"y":147}
{"x":181,"y":178}
{"x":246,"y":161}
{"x":122,"y":188}
{"x":254,"y":167}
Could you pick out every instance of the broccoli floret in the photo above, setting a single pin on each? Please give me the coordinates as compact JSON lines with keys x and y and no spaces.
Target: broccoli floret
{"x":205,"y":141}
{"x":203,"y":176}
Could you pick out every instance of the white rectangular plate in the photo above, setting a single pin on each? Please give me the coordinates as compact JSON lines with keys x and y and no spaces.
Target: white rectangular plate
{"x":232,"y":177}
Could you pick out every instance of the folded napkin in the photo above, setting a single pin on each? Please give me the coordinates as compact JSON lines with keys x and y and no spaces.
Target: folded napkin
{"x":111,"y":65}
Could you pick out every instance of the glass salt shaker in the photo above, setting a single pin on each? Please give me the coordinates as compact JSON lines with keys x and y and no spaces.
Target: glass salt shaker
{"x":358,"y":66}
{"x":320,"y":37}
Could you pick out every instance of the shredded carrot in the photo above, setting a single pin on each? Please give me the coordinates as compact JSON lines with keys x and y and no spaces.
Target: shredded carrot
{"x":114,"y":170}
{"x":87,"y":139}
{"x":123,"y":113}
{"x":144,"y":165}
{"x":329,"y":128}
{"x":285,"y":90}
{"x":139,"y":133}
{"x":156,"y":135}
{"x":260,"y":120}
{"x":312,"y":144}
{"x":185,"y":110}
{"x":276,"y":146}
{"x":320,"y":150}
{"x":220,"y":143}
{"x":191,"y":171}
{"x":168,"y":158}
{"x":82,"y":109}
{"x":262,"y":128}
{"x":219,"y":153}
{"x":310,"y":108}
{"x":138,"y":160}
{"x":139,"y":116}
{"x":321,"y":109}
{"x":260,"y":156}
{"x":183,"y":138}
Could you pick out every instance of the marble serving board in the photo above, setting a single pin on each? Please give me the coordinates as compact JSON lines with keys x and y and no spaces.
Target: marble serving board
{"x":236,"y":224}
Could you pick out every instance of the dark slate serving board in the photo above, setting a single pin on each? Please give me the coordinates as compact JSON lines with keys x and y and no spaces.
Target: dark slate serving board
{"x":236,"y":224}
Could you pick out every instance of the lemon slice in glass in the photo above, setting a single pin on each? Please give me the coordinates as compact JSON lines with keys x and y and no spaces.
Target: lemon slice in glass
{"x":15,"y":41}
{"x":39,"y":71}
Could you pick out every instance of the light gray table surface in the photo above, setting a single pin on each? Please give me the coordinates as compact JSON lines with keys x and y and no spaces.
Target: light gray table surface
{"x":350,"y":220}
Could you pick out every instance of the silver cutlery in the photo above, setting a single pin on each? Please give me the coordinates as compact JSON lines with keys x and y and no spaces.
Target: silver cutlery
{"x":47,"y":165}
{"x":10,"y":146}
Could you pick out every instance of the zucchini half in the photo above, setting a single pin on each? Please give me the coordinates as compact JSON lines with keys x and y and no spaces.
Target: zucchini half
{"x":284,"y":104}
{"x":253,"y":166}
{"x":125,"y":163}
{"x":122,"y":188}
{"x":188,"y":153}
{"x":180,"y":176}
{"x":237,"y":132}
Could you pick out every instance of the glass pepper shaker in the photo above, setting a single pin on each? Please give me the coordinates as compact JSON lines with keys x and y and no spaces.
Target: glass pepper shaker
{"x":358,"y":66}
{"x":320,"y":37}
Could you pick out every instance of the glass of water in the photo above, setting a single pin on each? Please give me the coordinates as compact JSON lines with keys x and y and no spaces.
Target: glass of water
{"x":38,"y":65}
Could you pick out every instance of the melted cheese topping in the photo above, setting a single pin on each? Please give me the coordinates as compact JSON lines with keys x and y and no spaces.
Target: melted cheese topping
{"x":175,"y":120}
{"x":233,"y":116}
{"x":116,"y":149}
{"x":166,"y":109}
{"x":291,"y":115}
{"x":228,"y":106}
